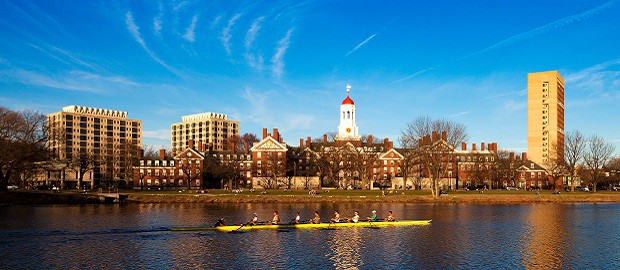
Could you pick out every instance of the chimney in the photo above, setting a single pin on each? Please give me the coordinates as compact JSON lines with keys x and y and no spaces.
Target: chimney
{"x":369,"y":138}
{"x":191,"y":143}
{"x":264,"y":133}
{"x":276,"y":134}
{"x":512,"y":156}
{"x":247,"y":148}
{"x":301,"y":142}
{"x":444,"y":136}
{"x":434,"y":136}
{"x":389,"y":146}
{"x":482,"y":146}
{"x":463,"y":146}
{"x":200,"y":148}
{"x":162,"y":153}
{"x":308,"y":140}
{"x":473,"y":147}
{"x":524,"y":156}
{"x":324,"y":138}
{"x":386,"y":141}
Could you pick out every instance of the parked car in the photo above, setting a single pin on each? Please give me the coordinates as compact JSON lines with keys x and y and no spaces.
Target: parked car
{"x":615,"y":188}
{"x":586,"y":189}
{"x":512,"y":188}
{"x":12,"y":187}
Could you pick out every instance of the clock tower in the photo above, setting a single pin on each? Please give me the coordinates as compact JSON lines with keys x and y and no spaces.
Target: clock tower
{"x":347,"y":130}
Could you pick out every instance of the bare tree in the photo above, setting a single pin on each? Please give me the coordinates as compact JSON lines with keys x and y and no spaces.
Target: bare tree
{"x":192,"y":169}
{"x":574,"y":150}
{"x":598,"y":153}
{"x":613,"y":168}
{"x":437,"y":140}
{"x":84,"y":162}
{"x":363,"y":164}
{"x":22,"y":143}
{"x":272,"y":170}
{"x":248,"y":139}
{"x":556,"y":167}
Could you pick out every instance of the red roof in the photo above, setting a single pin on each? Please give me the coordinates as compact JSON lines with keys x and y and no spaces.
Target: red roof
{"x":348,"y":101}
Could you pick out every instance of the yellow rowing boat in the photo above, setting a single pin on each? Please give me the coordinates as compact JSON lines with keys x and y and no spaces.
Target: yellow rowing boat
{"x":306,"y":225}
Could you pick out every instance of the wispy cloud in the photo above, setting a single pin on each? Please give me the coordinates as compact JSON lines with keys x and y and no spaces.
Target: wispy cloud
{"x":158,"y":21}
{"x":361,"y":44}
{"x":215,"y":22}
{"x":259,"y":112}
{"x":525,"y":35}
{"x":227,"y":35}
{"x":600,"y":83}
{"x":180,"y":5}
{"x":73,"y":81}
{"x":277,"y":60}
{"x":253,"y":60}
{"x":190,"y":31}
{"x":509,"y":108}
{"x":134,"y":30}
{"x":459,"y":114}
{"x":160,"y":134}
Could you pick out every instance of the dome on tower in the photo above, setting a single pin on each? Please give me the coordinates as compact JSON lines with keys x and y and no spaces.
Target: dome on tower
{"x":348,"y":101}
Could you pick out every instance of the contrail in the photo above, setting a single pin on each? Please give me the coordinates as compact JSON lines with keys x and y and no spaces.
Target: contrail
{"x":361,"y":44}
{"x":516,"y":38}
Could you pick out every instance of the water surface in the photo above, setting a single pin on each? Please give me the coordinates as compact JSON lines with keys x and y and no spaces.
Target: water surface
{"x":136,"y":236}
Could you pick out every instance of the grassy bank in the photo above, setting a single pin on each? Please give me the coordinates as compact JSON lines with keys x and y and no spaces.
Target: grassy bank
{"x":488,"y":197}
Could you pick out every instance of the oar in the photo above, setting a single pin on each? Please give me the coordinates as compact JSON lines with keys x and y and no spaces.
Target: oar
{"x":372,"y":226}
{"x":286,"y":227}
{"x":328,"y":226}
{"x":237,"y":230}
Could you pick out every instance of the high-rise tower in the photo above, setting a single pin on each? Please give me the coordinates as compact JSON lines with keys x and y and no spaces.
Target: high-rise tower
{"x":347,"y":130}
{"x":545,"y":116}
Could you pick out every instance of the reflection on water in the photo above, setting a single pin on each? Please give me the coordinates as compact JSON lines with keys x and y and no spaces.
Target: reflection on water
{"x":529,"y":236}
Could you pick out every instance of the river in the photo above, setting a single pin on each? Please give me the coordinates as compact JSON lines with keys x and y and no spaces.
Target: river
{"x":466,"y":236}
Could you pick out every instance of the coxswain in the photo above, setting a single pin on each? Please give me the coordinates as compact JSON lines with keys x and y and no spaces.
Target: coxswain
{"x":276,"y":218}
{"x":390,"y":217}
{"x":336,"y":217}
{"x":373,"y":217}
{"x":355,"y":218}
{"x":219,"y":223}
{"x":254,"y":220}
{"x":316,"y":219}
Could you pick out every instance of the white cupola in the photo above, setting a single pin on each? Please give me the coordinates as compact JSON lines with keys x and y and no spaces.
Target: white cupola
{"x":347,"y":130}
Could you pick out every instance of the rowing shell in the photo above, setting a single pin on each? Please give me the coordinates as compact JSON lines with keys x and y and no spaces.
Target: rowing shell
{"x":306,"y":226}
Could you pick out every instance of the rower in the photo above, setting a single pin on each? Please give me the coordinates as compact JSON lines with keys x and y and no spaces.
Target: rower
{"x":297,"y":218}
{"x":336,"y":217}
{"x":219,"y":223}
{"x":355,"y":218}
{"x":390,"y":217}
{"x":373,"y":217}
{"x":254,"y":220}
{"x":316,"y":219}
{"x":276,"y":218}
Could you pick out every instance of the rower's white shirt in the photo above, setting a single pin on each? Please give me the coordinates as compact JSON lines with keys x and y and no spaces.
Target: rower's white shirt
{"x":297,"y":218}
{"x":255,"y":219}
{"x":356,"y":218}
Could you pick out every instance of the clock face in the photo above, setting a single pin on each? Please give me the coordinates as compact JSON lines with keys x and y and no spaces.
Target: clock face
{"x":348,"y":130}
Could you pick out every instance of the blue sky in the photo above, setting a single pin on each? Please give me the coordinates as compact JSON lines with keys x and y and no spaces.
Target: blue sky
{"x":285,"y":64}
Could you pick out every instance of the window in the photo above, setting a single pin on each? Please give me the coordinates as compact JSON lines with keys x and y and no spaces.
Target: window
{"x":533,"y":175}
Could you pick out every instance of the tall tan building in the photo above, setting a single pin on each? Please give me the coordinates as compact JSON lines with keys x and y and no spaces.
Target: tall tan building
{"x":106,"y":136}
{"x":545,"y":116}
{"x":207,"y":128}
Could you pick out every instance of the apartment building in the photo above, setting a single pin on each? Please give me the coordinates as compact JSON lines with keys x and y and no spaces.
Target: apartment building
{"x":545,"y":116}
{"x":211,"y":129}
{"x":108,"y":137}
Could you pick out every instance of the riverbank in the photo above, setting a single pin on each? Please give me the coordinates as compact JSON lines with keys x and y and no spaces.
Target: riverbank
{"x":301,"y":196}
{"x":489,"y":197}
